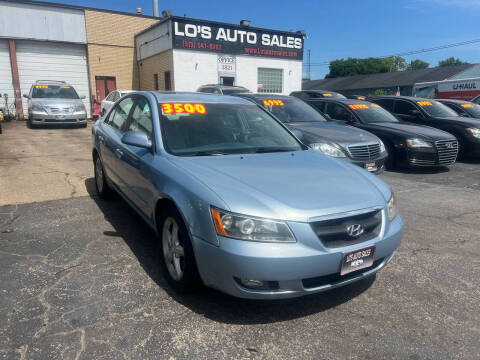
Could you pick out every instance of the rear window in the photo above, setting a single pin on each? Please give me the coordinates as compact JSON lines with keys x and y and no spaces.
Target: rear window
{"x":54,"y":92}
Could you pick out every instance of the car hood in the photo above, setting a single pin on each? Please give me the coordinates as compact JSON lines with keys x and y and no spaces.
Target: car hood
{"x":295,"y":186}
{"x":460,"y":120}
{"x":406,"y":129}
{"x":331,"y":132}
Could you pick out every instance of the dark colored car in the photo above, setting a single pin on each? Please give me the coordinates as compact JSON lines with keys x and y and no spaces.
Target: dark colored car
{"x":408,"y":145}
{"x":348,"y":143}
{"x":222,"y":89}
{"x":316,"y":94}
{"x":476,"y":99}
{"x":462,"y":107}
{"x":432,"y":113}
{"x":356,"y":97}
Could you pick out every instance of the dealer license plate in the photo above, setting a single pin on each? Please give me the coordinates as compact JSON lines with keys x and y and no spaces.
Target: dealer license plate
{"x":358,"y":259}
{"x":371,"y":166}
{"x":60,"y":117}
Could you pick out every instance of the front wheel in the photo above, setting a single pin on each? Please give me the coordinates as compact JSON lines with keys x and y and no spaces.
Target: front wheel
{"x":100,"y":179}
{"x":176,"y":253}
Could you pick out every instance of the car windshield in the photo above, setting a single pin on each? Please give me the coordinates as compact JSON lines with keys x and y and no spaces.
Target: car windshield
{"x":472,"y":109}
{"x":54,"y":92}
{"x":234,"y":91}
{"x":192,"y":129}
{"x":434,"y":108}
{"x":372,"y":113}
{"x":291,"y":109}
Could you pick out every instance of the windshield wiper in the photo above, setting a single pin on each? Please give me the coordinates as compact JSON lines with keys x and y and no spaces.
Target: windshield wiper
{"x":205,"y":153}
{"x":272,"y":149}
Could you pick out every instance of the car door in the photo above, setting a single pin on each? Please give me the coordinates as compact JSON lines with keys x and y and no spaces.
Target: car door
{"x":134,"y":164}
{"x":407,"y":111}
{"x":110,"y":144}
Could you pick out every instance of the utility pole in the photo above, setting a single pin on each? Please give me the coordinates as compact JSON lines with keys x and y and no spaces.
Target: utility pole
{"x":309,"y":52}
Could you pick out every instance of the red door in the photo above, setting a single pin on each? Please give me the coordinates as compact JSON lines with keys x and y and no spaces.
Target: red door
{"x":105,"y":85}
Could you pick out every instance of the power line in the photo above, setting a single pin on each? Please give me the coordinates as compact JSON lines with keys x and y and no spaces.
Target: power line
{"x":413,"y":52}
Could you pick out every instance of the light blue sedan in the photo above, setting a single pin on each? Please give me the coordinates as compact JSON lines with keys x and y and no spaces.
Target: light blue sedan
{"x":238,"y":203}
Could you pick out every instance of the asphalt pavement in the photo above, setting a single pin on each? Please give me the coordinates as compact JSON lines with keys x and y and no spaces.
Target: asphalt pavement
{"x":79,"y":277}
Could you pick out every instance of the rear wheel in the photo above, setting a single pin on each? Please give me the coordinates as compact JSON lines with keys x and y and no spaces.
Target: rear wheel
{"x":100,"y":179}
{"x":176,"y":252}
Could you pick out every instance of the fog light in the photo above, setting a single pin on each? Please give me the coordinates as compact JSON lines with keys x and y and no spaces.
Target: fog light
{"x":257,"y":284}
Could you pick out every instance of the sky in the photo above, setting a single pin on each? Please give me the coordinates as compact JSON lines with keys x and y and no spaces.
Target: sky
{"x":341,"y":28}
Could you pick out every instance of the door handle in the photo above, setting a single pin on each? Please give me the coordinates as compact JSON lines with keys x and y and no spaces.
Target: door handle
{"x":119,"y":153}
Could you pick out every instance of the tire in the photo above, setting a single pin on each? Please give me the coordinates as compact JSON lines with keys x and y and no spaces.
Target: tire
{"x":103,"y":190}
{"x":83,"y":125}
{"x":29,"y":124}
{"x":176,"y":254}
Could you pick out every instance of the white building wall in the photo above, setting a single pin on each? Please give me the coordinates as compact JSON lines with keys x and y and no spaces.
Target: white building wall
{"x":6,"y":84}
{"x":39,"y":22}
{"x":193,"y":69}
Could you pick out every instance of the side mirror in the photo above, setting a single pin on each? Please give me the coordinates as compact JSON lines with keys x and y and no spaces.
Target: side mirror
{"x":26,"y":96}
{"x":414,"y":112}
{"x":83,"y":97}
{"x":138,"y":139}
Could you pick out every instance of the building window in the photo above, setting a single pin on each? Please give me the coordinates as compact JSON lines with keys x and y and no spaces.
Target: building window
{"x":270,"y":80}
{"x":155,"y":81}
{"x":168,"y":82}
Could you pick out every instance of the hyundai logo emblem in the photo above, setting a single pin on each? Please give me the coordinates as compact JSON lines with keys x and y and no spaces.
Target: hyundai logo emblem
{"x":355,"y":230}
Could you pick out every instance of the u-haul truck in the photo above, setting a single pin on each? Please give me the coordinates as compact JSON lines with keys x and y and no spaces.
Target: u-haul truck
{"x":465,"y":89}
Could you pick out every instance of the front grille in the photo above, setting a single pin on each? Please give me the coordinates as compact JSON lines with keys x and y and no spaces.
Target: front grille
{"x":333,"y":232}
{"x":60,"y":120}
{"x":447,"y":151}
{"x":364,"y":152}
{"x":421,"y":162}
{"x":59,"y":110}
{"x":332,"y":279}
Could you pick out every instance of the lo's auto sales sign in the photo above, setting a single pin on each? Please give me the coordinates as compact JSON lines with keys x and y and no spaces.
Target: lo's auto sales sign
{"x":199,"y":35}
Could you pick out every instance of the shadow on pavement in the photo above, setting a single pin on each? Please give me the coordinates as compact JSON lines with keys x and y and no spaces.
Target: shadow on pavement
{"x":421,"y":170}
{"x":208,"y":302}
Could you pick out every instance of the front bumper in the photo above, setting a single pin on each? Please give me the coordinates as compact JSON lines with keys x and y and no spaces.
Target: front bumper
{"x":379,"y":163}
{"x":52,"y":119}
{"x":299,"y":269}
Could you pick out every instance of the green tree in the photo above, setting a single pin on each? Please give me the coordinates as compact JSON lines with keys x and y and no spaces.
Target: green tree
{"x":417,"y":64}
{"x":372,"y":65}
{"x":451,"y":61}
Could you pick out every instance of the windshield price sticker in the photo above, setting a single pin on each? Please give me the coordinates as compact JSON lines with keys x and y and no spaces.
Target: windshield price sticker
{"x":358,"y":106}
{"x":361,"y":98}
{"x":273,"y":102}
{"x":41,"y":86}
{"x":376,"y":106}
{"x":65,"y":87}
{"x":327,"y":94}
{"x":468,"y":106}
{"x":183,"y":108}
{"x":424,"y":103}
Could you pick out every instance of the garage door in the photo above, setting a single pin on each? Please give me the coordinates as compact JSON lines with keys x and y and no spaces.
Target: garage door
{"x":40,"y":60}
{"x":6,"y":85}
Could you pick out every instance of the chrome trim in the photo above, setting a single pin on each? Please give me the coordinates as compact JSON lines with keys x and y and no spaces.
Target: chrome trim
{"x":344,"y":214}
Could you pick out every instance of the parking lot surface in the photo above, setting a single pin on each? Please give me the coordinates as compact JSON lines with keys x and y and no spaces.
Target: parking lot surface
{"x":79,"y":276}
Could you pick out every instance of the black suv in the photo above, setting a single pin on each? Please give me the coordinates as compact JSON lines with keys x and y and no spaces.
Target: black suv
{"x":222,"y":89}
{"x":432,"y":113}
{"x":408,"y":145}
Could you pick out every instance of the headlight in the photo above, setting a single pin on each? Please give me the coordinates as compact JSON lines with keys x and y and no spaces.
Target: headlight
{"x":328,"y":149}
{"x":392,"y":208}
{"x":250,"y":228}
{"x":79,"y":108}
{"x":382,"y":147}
{"x":418,"y":143}
{"x":474,"y":132}
{"x":38,"y":108}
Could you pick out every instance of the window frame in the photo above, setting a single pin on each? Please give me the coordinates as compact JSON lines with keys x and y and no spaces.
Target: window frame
{"x":397,"y":101}
{"x":108,"y":120}
{"x":155,"y":82}
{"x":353,"y":116}
{"x":168,"y":84}
{"x":130,"y":117}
